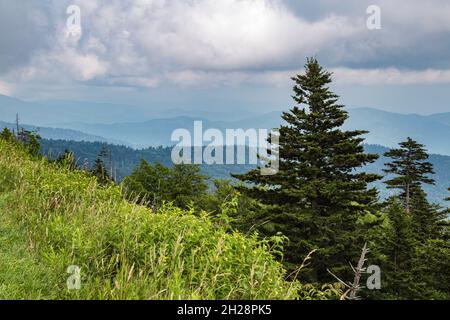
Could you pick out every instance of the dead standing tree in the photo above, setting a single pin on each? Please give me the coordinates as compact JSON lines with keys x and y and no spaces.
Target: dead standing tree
{"x":355,"y":287}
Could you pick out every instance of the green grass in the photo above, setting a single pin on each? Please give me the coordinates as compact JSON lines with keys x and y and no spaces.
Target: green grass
{"x":21,"y":276}
{"x":51,"y":218}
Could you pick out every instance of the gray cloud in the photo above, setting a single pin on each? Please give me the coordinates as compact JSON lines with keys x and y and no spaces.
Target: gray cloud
{"x":149,"y":43}
{"x":25,"y":28}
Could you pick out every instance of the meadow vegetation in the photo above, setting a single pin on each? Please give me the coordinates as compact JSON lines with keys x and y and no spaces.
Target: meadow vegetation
{"x":52,"y":217}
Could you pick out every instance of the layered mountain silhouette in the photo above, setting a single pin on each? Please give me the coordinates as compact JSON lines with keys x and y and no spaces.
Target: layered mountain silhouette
{"x":141,"y":127}
{"x":385,"y":128}
{"x":60,"y":134}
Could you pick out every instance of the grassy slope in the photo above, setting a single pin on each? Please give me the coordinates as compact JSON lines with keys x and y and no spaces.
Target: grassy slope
{"x":51,"y":218}
{"x":21,"y":275}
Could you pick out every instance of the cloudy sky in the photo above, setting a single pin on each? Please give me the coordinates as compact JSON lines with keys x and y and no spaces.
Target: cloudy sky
{"x":216,"y":54}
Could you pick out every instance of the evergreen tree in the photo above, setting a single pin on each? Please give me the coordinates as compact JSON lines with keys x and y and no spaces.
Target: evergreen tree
{"x":7,"y":135}
{"x":411,"y":169}
{"x":99,"y":170}
{"x":30,"y":141}
{"x":421,"y":269}
{"x":317,"y":196}
{"x":399,"y":247}
{"x":445,"y":223}
{"x":427,"y":219}
{"x":433,"y":264}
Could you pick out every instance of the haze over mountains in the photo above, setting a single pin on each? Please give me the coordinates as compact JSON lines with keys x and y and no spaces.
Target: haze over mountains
{"x":60,"y":134}
{"x":141,"y":127}
{"x":137,"y":127}
{"x":56,"y":112}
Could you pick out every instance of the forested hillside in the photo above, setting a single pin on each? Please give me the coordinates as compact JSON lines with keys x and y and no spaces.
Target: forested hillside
{"x":125,"y":159}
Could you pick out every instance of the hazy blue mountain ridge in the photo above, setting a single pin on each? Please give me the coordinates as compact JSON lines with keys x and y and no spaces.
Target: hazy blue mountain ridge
{"x":58,"y":133}
{"x":142,"y":127}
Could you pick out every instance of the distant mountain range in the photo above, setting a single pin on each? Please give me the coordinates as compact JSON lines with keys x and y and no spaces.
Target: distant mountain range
{"x":385,"y":128}
{"x":132,"y":126}
{"x":443,"y":118}
{"x":53,"y":113}
{"x":140,"y":127}
{"x":125,"y":159}
{"x":388,"y":129}
{"x":58,"y":133}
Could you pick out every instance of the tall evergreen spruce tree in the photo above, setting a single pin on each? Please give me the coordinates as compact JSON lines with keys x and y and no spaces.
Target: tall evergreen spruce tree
{"x":411,"y":168}
{"x":317,"y":196}
{"x":421,"y":271}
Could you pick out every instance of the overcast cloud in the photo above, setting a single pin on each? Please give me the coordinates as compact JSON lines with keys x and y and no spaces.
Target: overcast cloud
{"x":130,"y":46}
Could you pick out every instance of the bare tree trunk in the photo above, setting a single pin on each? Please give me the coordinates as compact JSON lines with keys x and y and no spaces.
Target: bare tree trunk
{"x":353,"y":288}
{"x":358,"y":272}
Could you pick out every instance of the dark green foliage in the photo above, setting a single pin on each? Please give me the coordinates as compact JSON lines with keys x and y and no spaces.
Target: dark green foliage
{"x":417,"y":247}
{"x":398,"y":246}
{"x":432,"y":267}
{"x":428,"y":220}
{"x":99,"y":169}
{"x":244,"y":216}
{"x":154,"y":184}
{"x":29,"y":140}
{"x":317,"y":196}
{"x":7,"y":135}
{"x":411,"y":170}
{"x":125,"y":159}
